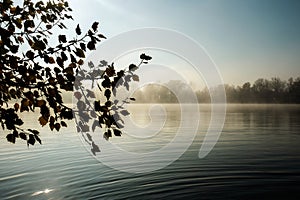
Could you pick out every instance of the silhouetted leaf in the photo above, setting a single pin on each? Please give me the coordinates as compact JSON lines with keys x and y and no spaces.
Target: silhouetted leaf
{"x":79,"y":53}
{"x":35,"y":132}
{"x":108,"y":103}
{"x":101,"y":36}
{"x":97,"y":106}
{"x":107,"y":135}
{"x":145,"y":57}
{"x":31,"y":140}
{"x":107,"y":93}
{"x":82,"y":46}
{"x":106,"y":83}
{"x":132,"y":67}
{"x":117,"y":132}
{"x":23,"y":136}
{"x":91,"y":45}
{"x":66,"y":114}
{"x":62,"y":38}
{"x":110,"y":71}
{"x":78,"y":30}
{"x":57,"y":126}
{"x":11,"y":138}
{"x":51,"y":60}
{"x":95,"y":26}
{"x":63,"y":123}
{"x":30,"y":54}
{"x":37,"y":139}
{"x":16,"y":106}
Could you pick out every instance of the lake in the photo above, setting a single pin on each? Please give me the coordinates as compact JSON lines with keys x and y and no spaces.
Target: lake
{"x":256,"y":157}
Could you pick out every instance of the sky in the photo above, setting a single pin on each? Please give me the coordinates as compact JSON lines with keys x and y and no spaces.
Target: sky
{"x":246,"y":39}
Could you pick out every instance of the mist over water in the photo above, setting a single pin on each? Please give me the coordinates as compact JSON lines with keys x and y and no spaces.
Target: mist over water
{"x":256,"y":157}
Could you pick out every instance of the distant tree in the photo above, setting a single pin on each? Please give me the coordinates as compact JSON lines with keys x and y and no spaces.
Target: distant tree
{"x":34,"y":72}
{"x":294,"y":90}
{"x":278,"y":88}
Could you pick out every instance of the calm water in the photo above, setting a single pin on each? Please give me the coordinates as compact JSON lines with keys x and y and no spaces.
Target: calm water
{"x":256,"y":157}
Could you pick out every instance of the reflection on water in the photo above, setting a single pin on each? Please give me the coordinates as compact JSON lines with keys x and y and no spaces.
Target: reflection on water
{"x":46,"y":191}
{"x":256,"y":157}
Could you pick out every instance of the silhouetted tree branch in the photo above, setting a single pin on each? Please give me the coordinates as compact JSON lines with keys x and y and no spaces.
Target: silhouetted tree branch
{"x":33,"y":72}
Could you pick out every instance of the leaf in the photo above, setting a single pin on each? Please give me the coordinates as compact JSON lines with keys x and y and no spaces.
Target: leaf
{"x":107,"y":93}
{"x":108,"y":104}
{"x":81,"y":106}
{"x":62,"y":38}
{"x":31,"y":140}
{"x":38,"y":139}
{"x":51,"y":60}
{"x":132,"y":67}
{"x":90,"y":94}
{"x":101,"y":36}
{"x":89,"y":137}
{"x":135,"y":77}
{"x":85,"y":128}
{"x":35,"y":132}
{"x":63,"y":56}
{"x":40,"y":103}
{"x":82,"y":46}
{"x":57,"y":126}
{"x":106,"y":83}
{"x":63,"y":124}
{"x":93,"y":114}
{"x":95,"y":26}
{"x":78,"y":30}
{"x":16,"y":106}
{"x":79,"y":53}
{"x":110,"y":71}
{"x":91,"y":45}
{"x":20,"y":39}
{"x":66,"y":114}
{"x":107,"y":135}
{"x":117,"y":132}
{"x":11,"y":138}
{"x":95,"y":148}
{"x":126,"y":85}
{"x":103,"y":63}
{"x":97,"y":106}
{"x":145,"y":57}
{"x":43,"y":121}
{"x":23,"y":136}
{"x":124,"y":112}
{"x":95,"y":124}
{"x":77,"y":95}
{"x":30,"y":55}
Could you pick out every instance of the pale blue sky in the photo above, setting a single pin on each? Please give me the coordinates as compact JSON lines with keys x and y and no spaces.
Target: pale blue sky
{"x":247,"y":39}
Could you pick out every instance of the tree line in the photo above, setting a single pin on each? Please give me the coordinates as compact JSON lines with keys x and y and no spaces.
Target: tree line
{"x":272,"y":90}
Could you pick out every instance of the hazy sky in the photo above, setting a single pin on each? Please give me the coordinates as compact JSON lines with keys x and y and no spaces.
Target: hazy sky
{"x":247,"y":39}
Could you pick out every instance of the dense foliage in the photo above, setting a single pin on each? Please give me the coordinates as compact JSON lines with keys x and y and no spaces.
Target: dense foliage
{"x":34,"y":71}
